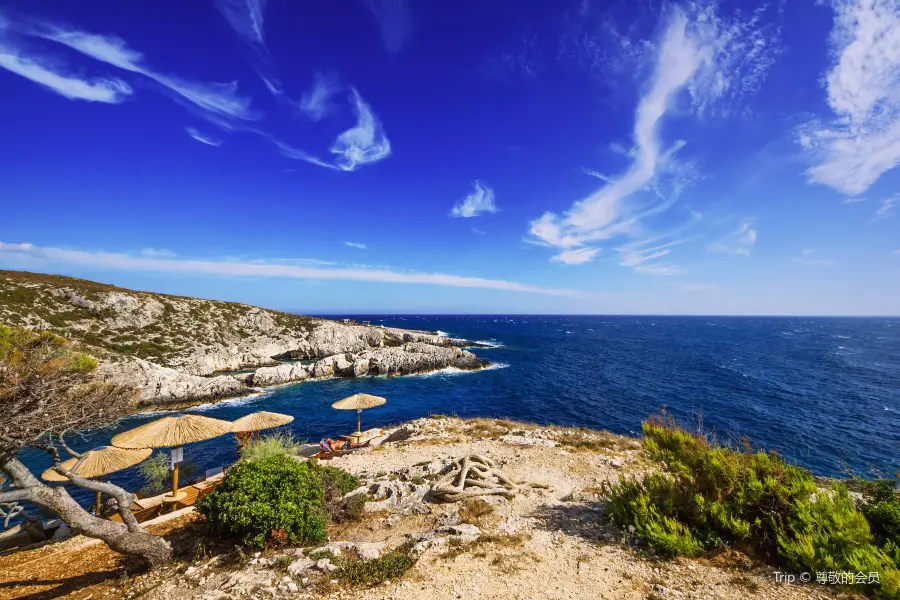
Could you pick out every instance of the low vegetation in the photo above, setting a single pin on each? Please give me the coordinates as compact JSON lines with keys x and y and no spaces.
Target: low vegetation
{"x":711,"y":497}
{"x":390,"y":566}
{"x":274,"y":499}
{"x":157,"y":327}
{"x":157,"y":474}
{"x":274,"y":444}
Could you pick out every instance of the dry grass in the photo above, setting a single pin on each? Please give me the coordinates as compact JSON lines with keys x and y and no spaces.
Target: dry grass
{"x":496,"y":540}
{"x":581,"y":439}
{"x":474,"y":511}
{"x":746,"y":582}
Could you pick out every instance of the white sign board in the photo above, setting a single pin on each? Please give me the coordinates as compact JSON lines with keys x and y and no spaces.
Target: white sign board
{"x":177,"y":456}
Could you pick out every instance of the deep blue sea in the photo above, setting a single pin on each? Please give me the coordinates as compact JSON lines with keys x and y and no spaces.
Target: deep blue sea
{"x":824,"y":392}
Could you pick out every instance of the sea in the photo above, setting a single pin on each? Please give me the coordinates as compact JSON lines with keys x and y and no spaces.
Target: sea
{"x":823,"y":392}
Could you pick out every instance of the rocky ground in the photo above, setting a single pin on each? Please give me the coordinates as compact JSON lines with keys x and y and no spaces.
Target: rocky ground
{"x":547,"y":539}
{"x":174,"y":348}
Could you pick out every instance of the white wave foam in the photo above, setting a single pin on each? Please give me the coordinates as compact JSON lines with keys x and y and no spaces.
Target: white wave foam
{"x":488,"y":344}
{"x":441,"y":333}
{"x":456,"y":371}
{"x":248,"y":399}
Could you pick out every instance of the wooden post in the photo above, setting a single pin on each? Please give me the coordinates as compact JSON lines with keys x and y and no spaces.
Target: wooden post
{"x":99,"y":499}
{"x":358,"y":415}
{"x":175,"y":480}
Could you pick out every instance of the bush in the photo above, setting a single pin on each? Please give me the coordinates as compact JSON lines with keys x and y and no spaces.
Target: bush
{"x":335,"y":484}
{"x":276,"y":444}
{"x":391,"y":566}
{"x":258,"y":498}
{"x":711,"y":497}
{"x":337,"y":481}
{"x":158,"y":476}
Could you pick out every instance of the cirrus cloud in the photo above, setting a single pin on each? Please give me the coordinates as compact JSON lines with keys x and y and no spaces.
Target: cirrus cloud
{"x":481,"y":200}
{"x":260,"y":268}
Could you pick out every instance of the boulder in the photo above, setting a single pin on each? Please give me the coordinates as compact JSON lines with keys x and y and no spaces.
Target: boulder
{"x":395,"y":495}
{"x":360,"y":367}
{"x":300,"y":566}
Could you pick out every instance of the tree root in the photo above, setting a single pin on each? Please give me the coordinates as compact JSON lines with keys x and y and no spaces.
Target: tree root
{"x":472,"y":476}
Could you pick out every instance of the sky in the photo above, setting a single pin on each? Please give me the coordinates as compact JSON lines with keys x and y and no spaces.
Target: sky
{"x":389,"y":156}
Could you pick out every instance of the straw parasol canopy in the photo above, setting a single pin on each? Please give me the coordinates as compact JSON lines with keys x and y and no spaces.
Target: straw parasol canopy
{"x":359,"y":402}
{"x":98,"y":462}
{"x":260,"y":420}
{"x":170,"y":432}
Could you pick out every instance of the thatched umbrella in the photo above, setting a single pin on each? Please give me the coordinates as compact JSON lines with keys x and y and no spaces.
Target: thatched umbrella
{"x":359,"y":402}
{"x":96,"y":463}
{"x":255,"y":422}
{"x":172,"y":432}
{"x":260,"y":420}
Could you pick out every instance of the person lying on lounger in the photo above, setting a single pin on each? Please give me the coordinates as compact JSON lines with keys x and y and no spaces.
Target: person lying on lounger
{"x":334,"y":446}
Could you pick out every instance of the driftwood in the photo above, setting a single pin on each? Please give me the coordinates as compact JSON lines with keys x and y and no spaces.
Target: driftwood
{"x":471,"y":476}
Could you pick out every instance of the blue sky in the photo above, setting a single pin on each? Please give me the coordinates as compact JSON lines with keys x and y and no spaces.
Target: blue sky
{"x":456,"y":157}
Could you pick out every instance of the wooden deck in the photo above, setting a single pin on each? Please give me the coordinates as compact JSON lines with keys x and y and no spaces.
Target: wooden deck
{"x":150,"y":508}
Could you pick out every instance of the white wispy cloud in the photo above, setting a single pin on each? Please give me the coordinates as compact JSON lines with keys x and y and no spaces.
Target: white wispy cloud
{"x":479,"y":231}
{"x":362,"y":144}
{"x":853,"y":200}
{"x":316,"y":103}
{"x":50,"y":74}
{"x":218,"y":98}
{"x":245,"y":17}
{"x":157,"y":253}
{"x":637,"y":254}
{"x":356,"y":245}
{"x":480,"y":200}
{"x":699,"y":54}
{"x":809,"y":257}
{"x":244,"y":268}
{"x":394,"y":21}
{"x":576,"y":256}
{"x":862,"y":141}
{"x":887,"y":206}
{"x":740,"y":241}
{"x":203,"y":138}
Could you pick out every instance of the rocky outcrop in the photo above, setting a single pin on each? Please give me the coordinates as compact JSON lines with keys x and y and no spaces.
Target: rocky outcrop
{"x":277,"y":375}
{"x":414,"y":357}
{"x":164,"y":385}
{"x":418,"y":357}
{"x":175,"y":348}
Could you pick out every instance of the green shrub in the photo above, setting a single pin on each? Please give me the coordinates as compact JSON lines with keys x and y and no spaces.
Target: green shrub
{"x":335,"y":484}
{"x":337,"y":481}
{"x":158,"y":475}
{"x":275,"y":496}
{"x":274,"y":444}
{"x":391,"y":566}
{"x":710,"y":497}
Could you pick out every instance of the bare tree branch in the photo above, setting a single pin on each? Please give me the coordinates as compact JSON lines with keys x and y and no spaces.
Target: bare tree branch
{"x":46,"y":390}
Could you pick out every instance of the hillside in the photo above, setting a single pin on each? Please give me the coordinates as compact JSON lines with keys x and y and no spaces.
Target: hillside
{"x":175,"y":347}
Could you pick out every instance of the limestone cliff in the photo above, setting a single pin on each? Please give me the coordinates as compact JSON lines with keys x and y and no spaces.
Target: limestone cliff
{"x":174,"y":347}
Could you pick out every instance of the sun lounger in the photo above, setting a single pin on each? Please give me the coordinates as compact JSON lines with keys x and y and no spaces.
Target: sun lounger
{"x":309,"y":450}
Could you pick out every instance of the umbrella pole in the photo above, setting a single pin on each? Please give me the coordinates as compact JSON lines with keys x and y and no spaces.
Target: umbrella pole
{"x":358,"y":416}
{"x":99,"y":498}
{"x":175,"y":480}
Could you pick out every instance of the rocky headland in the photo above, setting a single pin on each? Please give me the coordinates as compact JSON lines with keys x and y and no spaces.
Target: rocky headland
{"x":181,"y":350}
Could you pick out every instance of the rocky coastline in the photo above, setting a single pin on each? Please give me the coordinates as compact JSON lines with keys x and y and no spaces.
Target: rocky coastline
{"x":180,"y":350}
